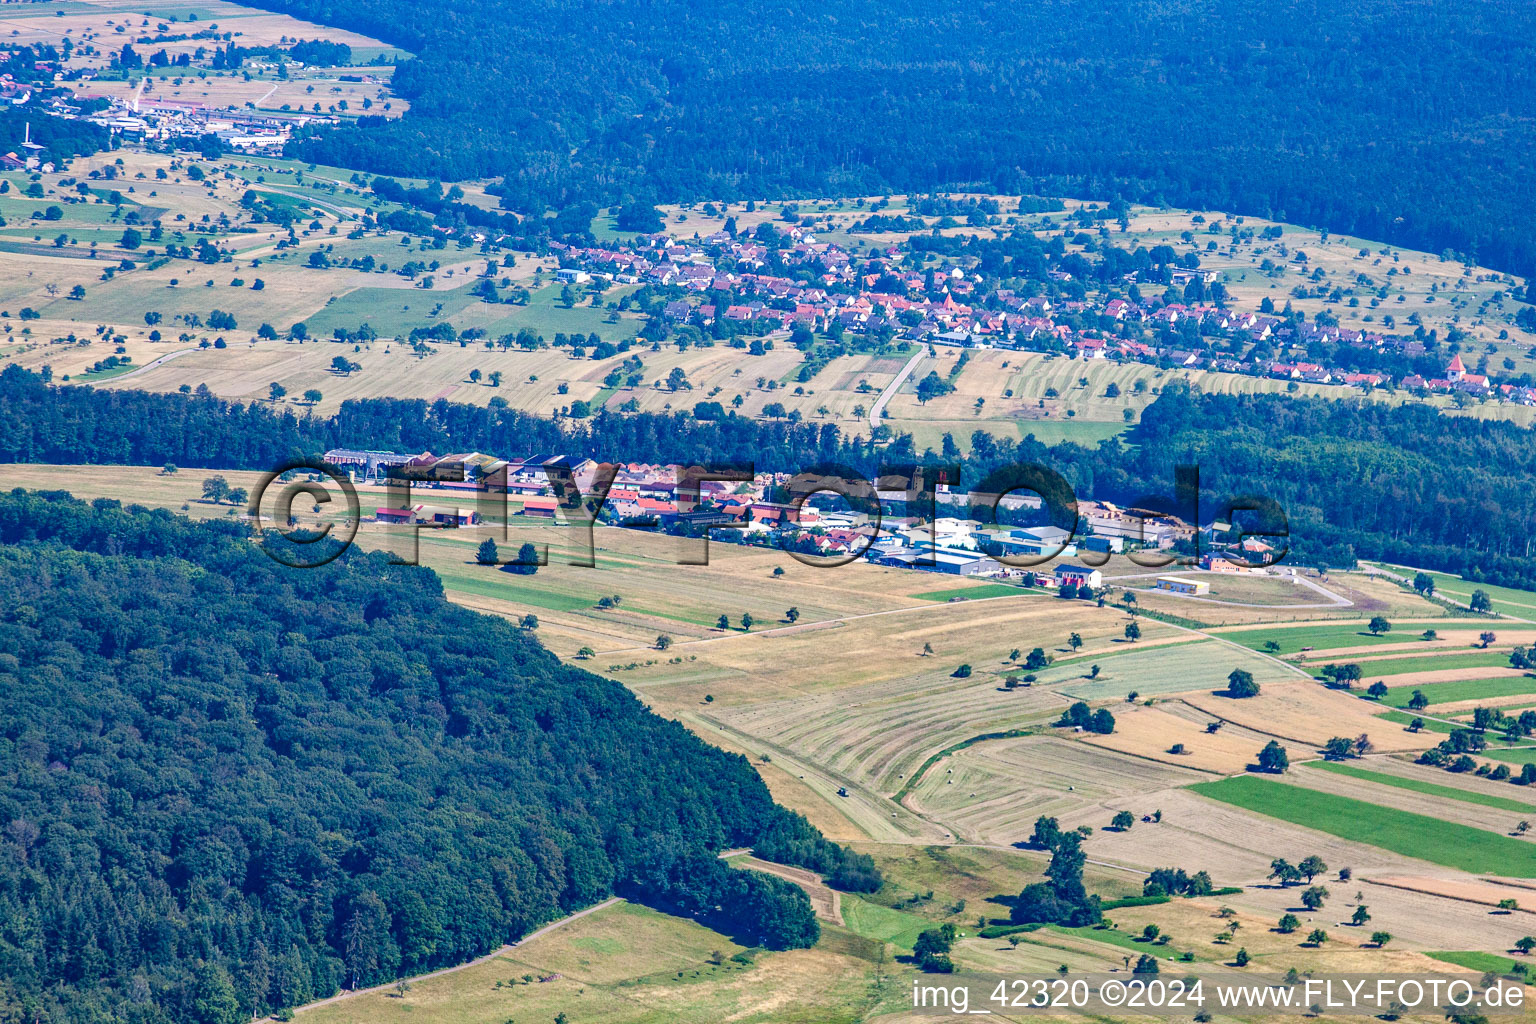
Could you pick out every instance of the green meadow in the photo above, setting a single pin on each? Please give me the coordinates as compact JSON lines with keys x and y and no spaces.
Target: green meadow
{"x":1412,"y":835}
{"x":1427,"y":788}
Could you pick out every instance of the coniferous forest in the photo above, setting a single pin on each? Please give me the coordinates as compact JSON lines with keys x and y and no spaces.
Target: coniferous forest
{"x":1400,"y":122}
{"x":1356,"y":479}
{"x":231,"y":786}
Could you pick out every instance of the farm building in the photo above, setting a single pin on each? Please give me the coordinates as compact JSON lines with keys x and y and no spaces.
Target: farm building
{"x":368,"y":465}
{"x":536,"y":506}
{"x":1079,"y":576}
{"x":1179,"y":585}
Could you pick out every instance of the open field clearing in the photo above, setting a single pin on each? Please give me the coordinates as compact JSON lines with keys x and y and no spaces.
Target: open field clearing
{"x":1462,"y":690}
{"x":1403,"y":832}
{"x":1304,"y":712}
{"x":1516,"y":755}
{"x":993,"y":792}
{"x":625,"y":964}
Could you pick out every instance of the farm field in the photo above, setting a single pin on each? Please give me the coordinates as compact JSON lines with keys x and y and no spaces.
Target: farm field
{"x":1427,"y":788}
{"x":1307,"y":637}
{"x":1412,"y":835}
{"x":1400,"y":665}
{"x":1303,"y":712}
{"x":993,"y":792}
{"x":1461,"y":690}
{"x":1520,"y":604}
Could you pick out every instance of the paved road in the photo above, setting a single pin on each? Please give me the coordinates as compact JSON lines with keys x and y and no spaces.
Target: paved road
{"x":895,"y":385}
{"x":157,"y":361}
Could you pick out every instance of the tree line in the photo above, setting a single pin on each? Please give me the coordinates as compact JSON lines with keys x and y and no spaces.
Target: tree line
{"x":1356,"y":478}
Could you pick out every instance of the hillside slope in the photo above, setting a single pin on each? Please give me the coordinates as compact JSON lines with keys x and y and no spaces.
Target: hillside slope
{"x":1324,"y":114}
{"x":230,"y":786}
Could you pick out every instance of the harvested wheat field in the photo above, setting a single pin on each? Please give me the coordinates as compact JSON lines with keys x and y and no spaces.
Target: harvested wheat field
{"x":992,"y":792}
{"x":1153,"y":732}
{"x":1483,"y":893}
{"x":1307,"y":713}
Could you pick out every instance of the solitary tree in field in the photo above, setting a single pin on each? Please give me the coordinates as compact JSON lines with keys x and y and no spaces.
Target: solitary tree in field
{"x":1288,"y":924}
{"x":1240,"y":684}
{"x":276,"y":391}
{"x":746,"y":620}
{"x":663,"y":642}
{"x":1313,"y":898}
{"x":1312,"y":867}
{"x":1487,"y":638}
{"x":1132,"y":632}
{"x":474,"y":376}
{"x":1273,"y":758}
{"x":215,"y":489}
{"x":1379,"y":939}
{"x":530,"y":622}
{"x":169,"y":469}
{"x":927,"y":649}
{"x":1360,"y":916}
{"x":792,"y":615}
{"x":1123,"y":821}
{"x":486,"y":553}
{"x":586,"y":653}
{"x":313,"y":396}
{"x":1526,"y":944}
{"x":1317,"y":937}
{"x":1480,"y":601}
{"x":1379,"y":625}
{"x":723,"y":622}
{"x":1418,"y":702}
{"x":1424,"y":583}
{"x":1074,"y":641}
